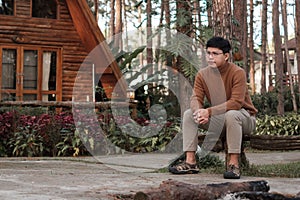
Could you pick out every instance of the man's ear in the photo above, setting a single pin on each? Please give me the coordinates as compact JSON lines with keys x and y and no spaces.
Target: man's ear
{"x":226,"y":56}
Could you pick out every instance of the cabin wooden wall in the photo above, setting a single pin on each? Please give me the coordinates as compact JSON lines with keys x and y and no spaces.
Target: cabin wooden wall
{"x":51,"y":33}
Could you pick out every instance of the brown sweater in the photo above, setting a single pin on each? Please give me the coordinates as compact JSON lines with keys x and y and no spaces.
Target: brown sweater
{"x":224,"y":87}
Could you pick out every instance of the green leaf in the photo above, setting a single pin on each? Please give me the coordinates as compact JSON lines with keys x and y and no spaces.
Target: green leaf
{"x":272,"y":123}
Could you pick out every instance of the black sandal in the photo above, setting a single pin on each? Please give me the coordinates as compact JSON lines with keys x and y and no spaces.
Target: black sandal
{"x":184,"y":168}
{"x":232,"y":172}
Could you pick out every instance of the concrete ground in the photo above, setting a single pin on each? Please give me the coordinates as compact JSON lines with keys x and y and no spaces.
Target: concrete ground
{"x":88,"y":178}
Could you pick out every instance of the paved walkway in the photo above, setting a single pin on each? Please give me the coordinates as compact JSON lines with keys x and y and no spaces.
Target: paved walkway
{"x":87,"y":178}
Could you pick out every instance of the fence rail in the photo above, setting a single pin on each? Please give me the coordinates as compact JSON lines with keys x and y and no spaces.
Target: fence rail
{"x":59,"y":105}
{"x":286,"y":79}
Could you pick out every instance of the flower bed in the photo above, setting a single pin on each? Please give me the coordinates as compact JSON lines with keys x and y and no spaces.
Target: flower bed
{"x":277,"y":132}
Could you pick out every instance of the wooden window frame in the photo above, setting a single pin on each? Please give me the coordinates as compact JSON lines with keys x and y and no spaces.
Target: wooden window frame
{"x":57,"y":11}
{"x":14,"y":10}
{"x":20,"y":91}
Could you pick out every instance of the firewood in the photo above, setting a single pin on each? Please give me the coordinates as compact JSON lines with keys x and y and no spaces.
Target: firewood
{"x":172,"y":189}
{"x":263,"y":195}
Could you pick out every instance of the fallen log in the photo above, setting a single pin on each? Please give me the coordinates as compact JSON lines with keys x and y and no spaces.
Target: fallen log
{"x":172,"y":189}
{"x":263,"y":195}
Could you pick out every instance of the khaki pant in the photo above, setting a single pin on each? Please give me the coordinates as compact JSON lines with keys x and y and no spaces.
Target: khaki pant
{"x":234,"y":123}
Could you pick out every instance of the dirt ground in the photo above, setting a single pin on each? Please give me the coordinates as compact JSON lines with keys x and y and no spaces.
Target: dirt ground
{"x":87,"y":179}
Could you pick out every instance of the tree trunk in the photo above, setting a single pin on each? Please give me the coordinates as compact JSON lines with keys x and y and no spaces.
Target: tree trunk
{"x":125,"y":27}
{"x":297,"y":31}
{"x":168,"y":20}
{"x":96,"y":10}
{"x":278,"y":58}
{"x":184,"y":26}
{"x":169,"y":56}
{"x":149,"y":34}
{"x":141,"y":56}
{"x":239,"y":30}
{"x":201,"y":35}
{"x":112,"y":18}
{"x":222,"y":18}
{"x":209,"y":8}
{"x":288,"y":63}
{"x":119,"y":25}
{"x":157,"y":50}
{"x":251,"y":50}
{"x":263,"y":46}
{"x":245,"y":39}
{"x":181,"y":191}
{"x":197,"y":23}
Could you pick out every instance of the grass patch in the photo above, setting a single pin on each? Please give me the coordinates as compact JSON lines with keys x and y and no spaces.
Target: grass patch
{"x":287,"y":170}
{"x":214,"y":165}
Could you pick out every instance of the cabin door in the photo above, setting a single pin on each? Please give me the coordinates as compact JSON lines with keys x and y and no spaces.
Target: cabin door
{"x":29,"y":73}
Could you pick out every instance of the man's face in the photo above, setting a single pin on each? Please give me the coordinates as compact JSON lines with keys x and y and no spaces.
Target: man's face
{"x":215,"y":57}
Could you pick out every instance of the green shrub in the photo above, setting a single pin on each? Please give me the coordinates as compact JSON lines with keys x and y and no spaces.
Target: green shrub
{"x":71,"y":144}
{"x":278,"y":125}
{"x":38,"y":134}
{"x":27,"y":110}
{"x":27,"y":142}
{"x":266,"y":104}
{"x":56,"y":134}
{"x":53,"y":134}
{"x":121,"y":135}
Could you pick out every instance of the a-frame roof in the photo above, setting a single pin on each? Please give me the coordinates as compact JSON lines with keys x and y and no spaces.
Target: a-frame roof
{"x":91,"y":36}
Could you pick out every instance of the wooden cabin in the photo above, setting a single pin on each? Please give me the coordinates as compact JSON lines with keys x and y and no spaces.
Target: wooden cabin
{"x":43,"y":46}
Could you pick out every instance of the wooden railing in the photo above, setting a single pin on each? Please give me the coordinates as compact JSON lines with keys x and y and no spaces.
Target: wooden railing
{"x":286,"y":80}
{"x":60,"y":105}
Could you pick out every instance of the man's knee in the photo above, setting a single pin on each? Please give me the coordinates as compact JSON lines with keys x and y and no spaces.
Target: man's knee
{"x":232,"y":116}
{"x":187,"y":115}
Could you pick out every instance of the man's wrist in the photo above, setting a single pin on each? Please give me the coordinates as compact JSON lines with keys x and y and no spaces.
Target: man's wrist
{"x":209,"y":112}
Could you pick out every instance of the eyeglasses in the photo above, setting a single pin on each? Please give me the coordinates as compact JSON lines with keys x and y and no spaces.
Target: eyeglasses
{"x":213,"y":54}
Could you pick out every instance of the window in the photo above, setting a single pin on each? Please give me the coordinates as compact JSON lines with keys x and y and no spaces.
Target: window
{"x":30,"y":69}
{"x":9,"y":68}
{"x":7,"y":7}
{"x":49,"y":75}
{"x":9,"y":72}
{"x":30,"y":73}
{"x":44,"y":9}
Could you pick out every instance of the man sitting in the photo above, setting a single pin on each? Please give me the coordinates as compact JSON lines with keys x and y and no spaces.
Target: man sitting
{"x":224,"y":85}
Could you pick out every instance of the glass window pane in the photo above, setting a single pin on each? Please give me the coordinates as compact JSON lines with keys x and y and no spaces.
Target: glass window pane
{"x":49,"y":97}
{"x":44,"y":9}
{"x":49,"y":71}
{"x":9,"y":68}
{"x":29,"y":97}
{"x":8,"y":97}
{"x":6,"y":7}
{"x":30,"y":69}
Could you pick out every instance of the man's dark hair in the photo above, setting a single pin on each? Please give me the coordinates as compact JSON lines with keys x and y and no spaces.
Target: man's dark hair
{"x":220,"y":43}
